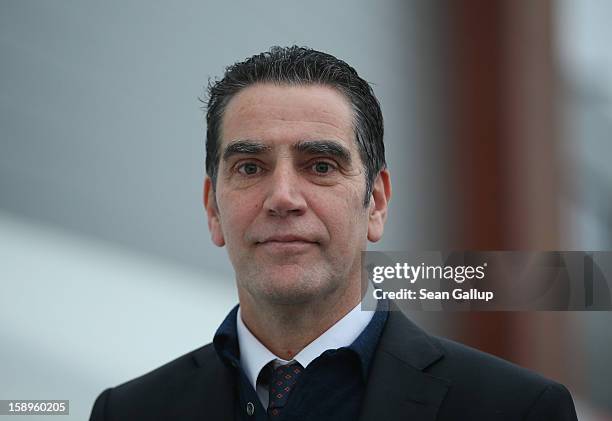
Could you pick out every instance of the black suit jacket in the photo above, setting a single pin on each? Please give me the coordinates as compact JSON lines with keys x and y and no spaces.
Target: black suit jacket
{"x":413,"y":377}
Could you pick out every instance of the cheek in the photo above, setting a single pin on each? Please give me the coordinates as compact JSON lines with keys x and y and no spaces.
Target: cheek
{"x":346,"y":219}
{"x":237,"y":211}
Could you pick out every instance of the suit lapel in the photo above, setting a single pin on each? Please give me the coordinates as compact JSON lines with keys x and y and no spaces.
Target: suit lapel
{"x":216,"y":387}
{"x":397,"y":388}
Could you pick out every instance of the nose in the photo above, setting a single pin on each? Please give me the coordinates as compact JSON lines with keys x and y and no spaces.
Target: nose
{"x":284,"y":197}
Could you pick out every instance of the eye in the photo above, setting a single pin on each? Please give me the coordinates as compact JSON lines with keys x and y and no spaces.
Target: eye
{"x":322,"y":167}
{"x":249,"y":168}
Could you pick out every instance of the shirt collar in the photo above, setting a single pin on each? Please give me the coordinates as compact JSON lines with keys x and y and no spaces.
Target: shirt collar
{"x":254,"y":355}
{"x":358,"y":331}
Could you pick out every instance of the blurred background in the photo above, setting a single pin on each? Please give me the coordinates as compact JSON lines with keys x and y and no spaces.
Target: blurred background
{"x":498,"y":121}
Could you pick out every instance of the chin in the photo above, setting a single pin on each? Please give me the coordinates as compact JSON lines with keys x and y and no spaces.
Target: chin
{"x":291,"y":285}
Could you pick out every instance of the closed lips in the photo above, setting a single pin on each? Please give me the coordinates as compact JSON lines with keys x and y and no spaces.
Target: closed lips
{"x":286,"y":239}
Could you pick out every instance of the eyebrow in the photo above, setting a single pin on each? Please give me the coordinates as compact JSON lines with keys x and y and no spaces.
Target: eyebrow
{"x":311,"y":147}
{"x":324,"y":147}
{"x":249,"y":147}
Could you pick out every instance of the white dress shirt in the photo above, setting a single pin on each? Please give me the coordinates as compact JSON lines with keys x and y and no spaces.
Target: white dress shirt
{"x":254,"y":356}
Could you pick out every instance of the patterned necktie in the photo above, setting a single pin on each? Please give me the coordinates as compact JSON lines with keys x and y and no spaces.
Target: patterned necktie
{"x":281,"y":384}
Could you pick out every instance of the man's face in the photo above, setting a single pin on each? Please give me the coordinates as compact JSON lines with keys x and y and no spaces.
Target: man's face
{"x":289,"y":194}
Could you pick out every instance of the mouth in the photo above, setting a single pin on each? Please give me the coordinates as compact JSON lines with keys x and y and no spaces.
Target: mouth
{"x":286,"y":243}
{"x":286,"y":239}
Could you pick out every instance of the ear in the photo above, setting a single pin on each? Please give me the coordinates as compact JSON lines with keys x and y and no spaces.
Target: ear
{"x":212,"y":212}
{"x":379,"y":201}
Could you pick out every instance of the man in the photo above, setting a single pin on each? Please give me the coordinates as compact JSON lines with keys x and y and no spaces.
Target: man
{"x":297,"y":183}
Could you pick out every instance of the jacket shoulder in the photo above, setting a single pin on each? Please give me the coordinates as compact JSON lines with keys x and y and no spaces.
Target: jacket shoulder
{"x":460,"y":359}
{"x":171,"y":372}
{"x":166,"y":390}
{"x":484,"y":384}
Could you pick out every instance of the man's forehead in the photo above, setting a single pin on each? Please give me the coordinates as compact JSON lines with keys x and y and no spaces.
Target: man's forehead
{"x":279,"y":114}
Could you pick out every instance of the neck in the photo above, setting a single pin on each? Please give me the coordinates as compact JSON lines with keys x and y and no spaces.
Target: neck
{"x":286,"y":329}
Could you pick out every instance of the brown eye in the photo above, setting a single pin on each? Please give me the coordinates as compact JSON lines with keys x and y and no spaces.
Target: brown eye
{"x":248,"y":168}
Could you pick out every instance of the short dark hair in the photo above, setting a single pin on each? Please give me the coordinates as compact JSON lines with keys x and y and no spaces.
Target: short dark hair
{"x":300,"y":66}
